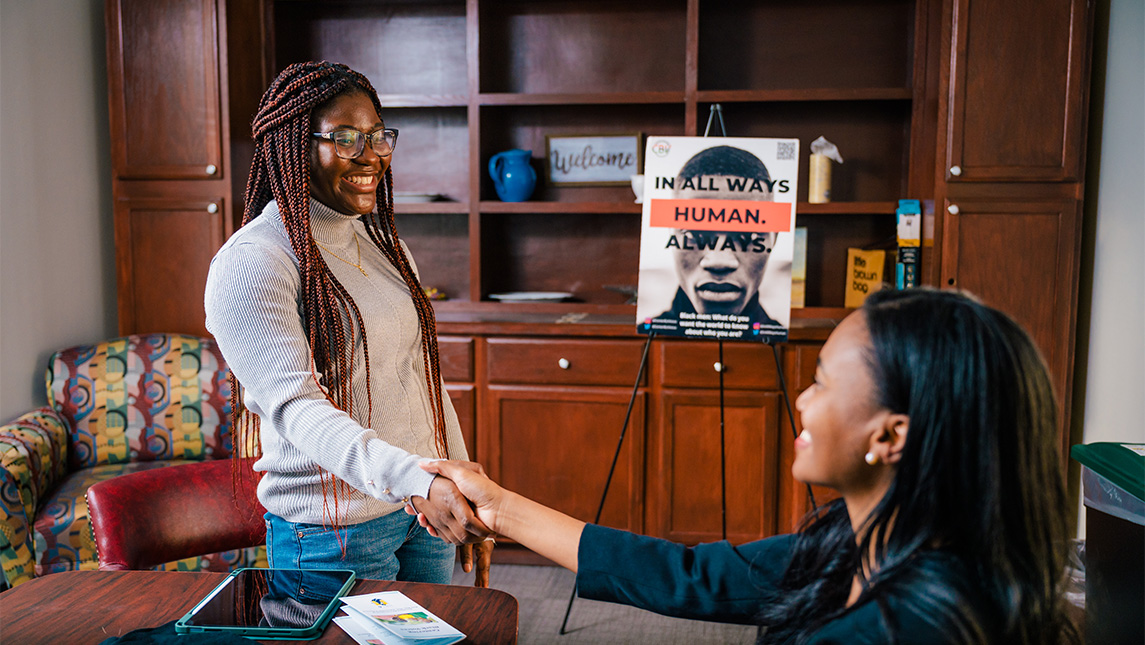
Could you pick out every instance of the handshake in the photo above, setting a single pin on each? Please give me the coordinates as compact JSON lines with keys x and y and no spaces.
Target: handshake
{"x":461,"y":509}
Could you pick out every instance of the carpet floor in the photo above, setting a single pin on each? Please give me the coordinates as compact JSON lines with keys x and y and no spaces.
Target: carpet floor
{"x":543,"y":594}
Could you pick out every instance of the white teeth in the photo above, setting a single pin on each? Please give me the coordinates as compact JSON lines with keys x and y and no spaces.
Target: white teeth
{"x":805,"y":436}
{"x":361,"y":181}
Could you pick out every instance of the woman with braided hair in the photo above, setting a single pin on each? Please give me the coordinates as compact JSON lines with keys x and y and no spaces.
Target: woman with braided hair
{"x":336,"y":384}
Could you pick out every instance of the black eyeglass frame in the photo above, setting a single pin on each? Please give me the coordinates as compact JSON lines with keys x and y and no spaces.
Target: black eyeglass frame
{"x":362,"y":137}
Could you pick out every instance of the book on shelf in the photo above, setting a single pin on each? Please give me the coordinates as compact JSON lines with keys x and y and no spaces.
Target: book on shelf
{"x":864,"y":275}
{"x":799,"y":269}
{"x":392,"y":618}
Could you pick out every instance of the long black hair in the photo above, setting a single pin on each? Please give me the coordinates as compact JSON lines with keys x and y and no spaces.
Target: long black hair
{"x":979,"y":485}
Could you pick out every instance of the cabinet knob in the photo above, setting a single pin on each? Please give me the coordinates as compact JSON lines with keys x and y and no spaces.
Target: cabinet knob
{"x":564,"y":363}
{"x":211,"y":169}
{"x":719,"y":367}
{"x":956,"y":171}
{"x":212,"y":208}
{"x":953,"y":209}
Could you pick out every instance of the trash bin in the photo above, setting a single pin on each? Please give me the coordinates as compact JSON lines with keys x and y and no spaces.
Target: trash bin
{"x":1113,"y":488}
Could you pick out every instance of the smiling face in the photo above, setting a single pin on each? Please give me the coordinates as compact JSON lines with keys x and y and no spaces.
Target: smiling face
{"x":840,"y":414}
{"x":349,"y":186}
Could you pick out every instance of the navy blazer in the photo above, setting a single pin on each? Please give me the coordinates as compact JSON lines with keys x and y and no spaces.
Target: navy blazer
{"x":725,"y":583}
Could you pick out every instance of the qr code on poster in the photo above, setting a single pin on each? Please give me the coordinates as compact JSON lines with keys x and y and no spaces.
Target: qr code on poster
{"x":785,"y":151}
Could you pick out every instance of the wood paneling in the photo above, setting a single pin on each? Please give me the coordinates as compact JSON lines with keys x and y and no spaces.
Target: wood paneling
{"x":555,"y":446}
{"x":164,"y":250}
{"x":1017,"y":78}
{"x":686,"y":481}
{"x":165,"y":90}
{"x":464,"y":398}
{"x":1021,"y":257}
{"x":403,"y":48}
{"x":587,"y":362}
{"x":456,"y":356}
{"x":585,"y":46}
{"x":785,"y":45}
{"x":746,"y":366}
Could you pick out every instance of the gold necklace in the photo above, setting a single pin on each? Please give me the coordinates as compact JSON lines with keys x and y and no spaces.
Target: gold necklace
{"x":357,"y":265}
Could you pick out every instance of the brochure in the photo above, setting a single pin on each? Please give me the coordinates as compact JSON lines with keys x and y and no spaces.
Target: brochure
{"x":360,"y":634}
{"x":394,"y":619}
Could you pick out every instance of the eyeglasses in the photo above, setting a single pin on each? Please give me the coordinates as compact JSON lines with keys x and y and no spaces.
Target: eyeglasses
{"x":349,"y":144}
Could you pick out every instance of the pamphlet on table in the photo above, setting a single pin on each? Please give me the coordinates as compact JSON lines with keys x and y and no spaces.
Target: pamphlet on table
{"x":391,"y":618}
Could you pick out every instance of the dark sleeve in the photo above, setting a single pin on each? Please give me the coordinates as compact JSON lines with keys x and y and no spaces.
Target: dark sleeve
{"x":715,"y":581}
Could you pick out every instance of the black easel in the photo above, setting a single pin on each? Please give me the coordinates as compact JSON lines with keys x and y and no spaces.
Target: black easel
{"x":615,"y":456}
{"x":715,"y":112}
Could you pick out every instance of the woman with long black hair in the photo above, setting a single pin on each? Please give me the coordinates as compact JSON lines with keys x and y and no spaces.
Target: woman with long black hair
{"x":933,"y":417}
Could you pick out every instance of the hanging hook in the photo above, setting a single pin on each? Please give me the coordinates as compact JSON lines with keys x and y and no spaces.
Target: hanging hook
{"x":716,"y":111}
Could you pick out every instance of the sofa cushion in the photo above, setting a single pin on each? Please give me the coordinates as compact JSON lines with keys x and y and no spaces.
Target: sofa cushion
{"x":33,"y":458}
{"x":142,"y":398}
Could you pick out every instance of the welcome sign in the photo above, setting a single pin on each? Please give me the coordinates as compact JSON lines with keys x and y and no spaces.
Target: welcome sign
{"x":592,"y":160}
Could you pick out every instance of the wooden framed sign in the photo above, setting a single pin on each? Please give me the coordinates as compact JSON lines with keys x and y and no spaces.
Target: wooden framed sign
{"x":592,"y":160}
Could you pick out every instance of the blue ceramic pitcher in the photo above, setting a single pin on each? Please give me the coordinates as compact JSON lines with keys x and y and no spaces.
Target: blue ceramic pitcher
{"x":512,"y":175}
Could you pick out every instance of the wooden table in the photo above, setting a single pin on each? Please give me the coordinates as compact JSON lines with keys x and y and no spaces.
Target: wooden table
{"x":86,"y":607}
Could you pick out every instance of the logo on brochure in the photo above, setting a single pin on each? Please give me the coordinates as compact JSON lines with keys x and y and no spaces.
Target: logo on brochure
{"x":661,"y":148}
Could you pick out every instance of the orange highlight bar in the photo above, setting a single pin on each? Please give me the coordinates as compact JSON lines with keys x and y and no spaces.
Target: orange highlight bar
{"x":738,"y":215}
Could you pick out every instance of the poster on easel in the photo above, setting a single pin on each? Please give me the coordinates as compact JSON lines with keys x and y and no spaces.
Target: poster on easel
{"x":717,"y":237}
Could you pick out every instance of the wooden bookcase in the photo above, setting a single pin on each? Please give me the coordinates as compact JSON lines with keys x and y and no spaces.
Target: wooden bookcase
{"x":463,"y":80}
{"x":976,"y":107}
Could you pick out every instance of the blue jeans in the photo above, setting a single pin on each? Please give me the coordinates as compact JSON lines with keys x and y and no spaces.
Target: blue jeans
{"x":391,"y":547}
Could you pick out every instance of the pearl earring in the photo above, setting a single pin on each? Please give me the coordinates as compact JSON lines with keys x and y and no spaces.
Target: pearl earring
{"x":871,"y":459}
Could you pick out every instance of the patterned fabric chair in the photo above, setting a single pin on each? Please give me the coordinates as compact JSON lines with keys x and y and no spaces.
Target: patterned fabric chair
{"x":125,"y":405}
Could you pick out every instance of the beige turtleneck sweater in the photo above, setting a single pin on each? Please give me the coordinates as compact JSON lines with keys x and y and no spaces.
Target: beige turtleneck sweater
{"x":253,"y":304}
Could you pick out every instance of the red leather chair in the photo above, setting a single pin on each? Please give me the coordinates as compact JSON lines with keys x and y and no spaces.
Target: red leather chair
{"x":147,"y":518}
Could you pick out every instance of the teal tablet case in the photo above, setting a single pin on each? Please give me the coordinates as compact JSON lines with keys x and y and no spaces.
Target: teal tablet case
{"x":296,"y":619}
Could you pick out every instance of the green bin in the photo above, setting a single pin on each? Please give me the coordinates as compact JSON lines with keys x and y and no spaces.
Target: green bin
{"x":1113,"y":488}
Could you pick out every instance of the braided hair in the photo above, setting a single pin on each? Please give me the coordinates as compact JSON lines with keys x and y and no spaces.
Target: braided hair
{"x":281,"y":171}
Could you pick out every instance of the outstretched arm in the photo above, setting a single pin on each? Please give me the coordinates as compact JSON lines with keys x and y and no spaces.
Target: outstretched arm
{"x":546,"y":531}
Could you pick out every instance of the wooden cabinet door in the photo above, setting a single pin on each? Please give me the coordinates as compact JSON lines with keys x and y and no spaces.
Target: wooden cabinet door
{"x":164,"y":248}
{"x":555,"y":445}
{"x":464,"y":398}
{"x":684,"y":485}
{"x":167,"y":89}
{"x":1022,"y":257}
{"x":1016,"y":85}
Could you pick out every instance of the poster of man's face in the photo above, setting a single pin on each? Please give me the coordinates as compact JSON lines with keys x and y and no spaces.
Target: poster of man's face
{"x":716,"y":243}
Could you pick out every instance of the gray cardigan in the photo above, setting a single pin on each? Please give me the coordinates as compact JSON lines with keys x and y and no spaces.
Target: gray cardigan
{"x":253,"y":305}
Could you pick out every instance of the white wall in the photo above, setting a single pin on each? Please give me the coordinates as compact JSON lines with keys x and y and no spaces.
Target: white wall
{"x":57,"y":265}
{"x":1110,"y":370}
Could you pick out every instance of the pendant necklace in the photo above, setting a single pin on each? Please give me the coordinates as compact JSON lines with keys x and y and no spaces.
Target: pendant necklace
{"x":357,"y":265}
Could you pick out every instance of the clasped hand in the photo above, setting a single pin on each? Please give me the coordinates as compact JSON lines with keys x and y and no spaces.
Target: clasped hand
{"x":463,"y":483}
{"x":446,"y":514}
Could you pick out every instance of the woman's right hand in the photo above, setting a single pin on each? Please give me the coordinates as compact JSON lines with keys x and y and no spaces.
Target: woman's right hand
{"x":546,"y":531}
{"x":470,"y":478}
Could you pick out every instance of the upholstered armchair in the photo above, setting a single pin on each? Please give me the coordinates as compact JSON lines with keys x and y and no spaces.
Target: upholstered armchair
{"x":124,"y":405}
